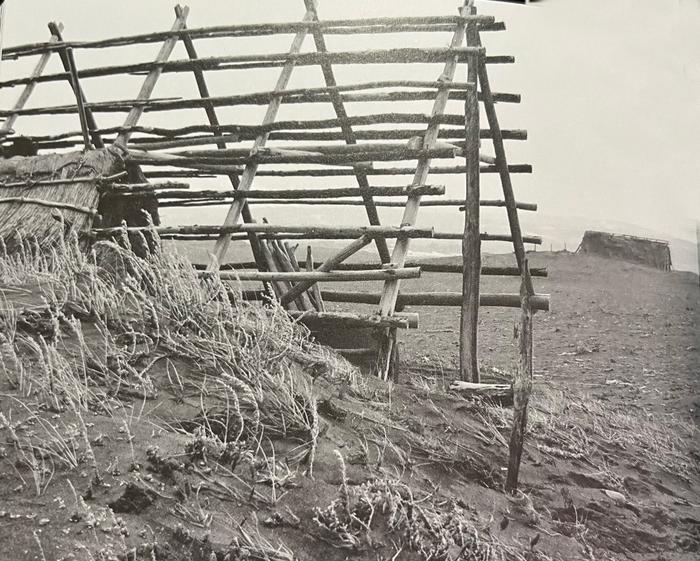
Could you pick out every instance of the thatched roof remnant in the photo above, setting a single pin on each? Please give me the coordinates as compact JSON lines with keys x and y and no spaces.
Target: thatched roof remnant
{"x":42,"y":196}
{"x":645,"y":251}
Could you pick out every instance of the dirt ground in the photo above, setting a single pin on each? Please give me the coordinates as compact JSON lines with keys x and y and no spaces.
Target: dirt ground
{"x":622,"y":332}
{"x":411,"y":471}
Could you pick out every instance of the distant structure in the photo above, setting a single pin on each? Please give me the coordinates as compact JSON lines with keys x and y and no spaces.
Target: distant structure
{"x":645,"y":251}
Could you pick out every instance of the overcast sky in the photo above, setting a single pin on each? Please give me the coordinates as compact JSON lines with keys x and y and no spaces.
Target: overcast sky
{"x":611,"y":89}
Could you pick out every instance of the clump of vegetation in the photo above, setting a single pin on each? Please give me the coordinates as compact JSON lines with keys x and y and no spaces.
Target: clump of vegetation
{"x":362,"y":516}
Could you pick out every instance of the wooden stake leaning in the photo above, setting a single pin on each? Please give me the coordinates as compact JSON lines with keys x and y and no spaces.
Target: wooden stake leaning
{"x":250,"y":170}
{"x":315,"y":290}
{"x":522,"y":386}
{"x":328,"y":266}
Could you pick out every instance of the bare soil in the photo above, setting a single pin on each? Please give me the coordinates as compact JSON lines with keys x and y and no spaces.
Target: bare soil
{"x":409,"y":471}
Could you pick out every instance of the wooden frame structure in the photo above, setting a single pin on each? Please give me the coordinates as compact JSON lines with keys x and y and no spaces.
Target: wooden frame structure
{"x":346,"y":145}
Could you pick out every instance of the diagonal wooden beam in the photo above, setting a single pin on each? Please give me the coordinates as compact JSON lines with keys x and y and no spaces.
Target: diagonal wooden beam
{"x":6,"y":127}
{"x":150,"y":82}
{"x":68,"y":62}
{"x":387,"y":305}
{"x":213,"y":118}
{"x":504,"y":174}
{"x":327,"y":266}
{"x":251,"y":169}
{"x":341,"y":113}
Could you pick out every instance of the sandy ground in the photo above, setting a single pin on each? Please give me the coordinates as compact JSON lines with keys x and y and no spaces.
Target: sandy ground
{"x":610,"y":471}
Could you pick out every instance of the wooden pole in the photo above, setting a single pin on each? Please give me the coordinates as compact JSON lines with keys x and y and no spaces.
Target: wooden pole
{"x":277,"y":287}
{"x":328,"y":266}
{"x":250,"y":170}
{"x":150,"y":82}
{"x":289,"y":157}
{"x":315,"y":290}
{"x":343,"y":27}
{"x":213,"y":118}
{"x":302,"y":233}
{"x":504,"y":173}
{"x":75,"y":84}
{"x":522,"y":387}
{"x":471,"y":242}
{"x":426,"y":267}
{"x":447,"y":299}
{"x":294,"y":194}
{"x":407,"y":55}
{"x":6,"y":127}
{"x":391,"y":288}
{"x":341,"y":113}
{"x":349,"y":320}
{"x":68,"y":61}
{"x":303,"y":302}
{"x":306,"y":298}
{"x":222,"y":198}
{"x":172,"y":138}
{"x":333,"y":232}
{"x":302,"y":96}
{"x":317,"y":276}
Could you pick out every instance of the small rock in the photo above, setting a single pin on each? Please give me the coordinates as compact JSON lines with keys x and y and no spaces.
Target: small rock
{"x":134,"y":500}
{"x":44,"y":521}
{"x":615,"y":496}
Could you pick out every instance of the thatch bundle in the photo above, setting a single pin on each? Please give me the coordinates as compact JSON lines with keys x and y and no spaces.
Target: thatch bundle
{"x":42,"y":197}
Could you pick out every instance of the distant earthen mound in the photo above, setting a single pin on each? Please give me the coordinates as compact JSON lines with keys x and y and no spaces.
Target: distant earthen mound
{"x":645,"y":251}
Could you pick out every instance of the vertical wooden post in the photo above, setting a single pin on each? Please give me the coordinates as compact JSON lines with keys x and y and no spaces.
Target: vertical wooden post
{"x":150,"y":82}
{"x":471,"y":242}
{"x":390,"y":293}
{"x":522,"y":387}
{"x":28,"y":89}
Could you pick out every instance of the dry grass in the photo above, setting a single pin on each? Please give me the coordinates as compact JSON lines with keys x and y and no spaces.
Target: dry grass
{"x":245,"y":362}
{"x":573,"y":426}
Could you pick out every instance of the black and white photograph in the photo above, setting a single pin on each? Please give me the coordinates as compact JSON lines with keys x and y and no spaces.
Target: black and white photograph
{"x":349,"y":280}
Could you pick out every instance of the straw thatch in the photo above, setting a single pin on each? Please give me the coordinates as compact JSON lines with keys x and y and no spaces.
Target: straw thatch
{"x":645,"y":251}
{"x":35,"y":203}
